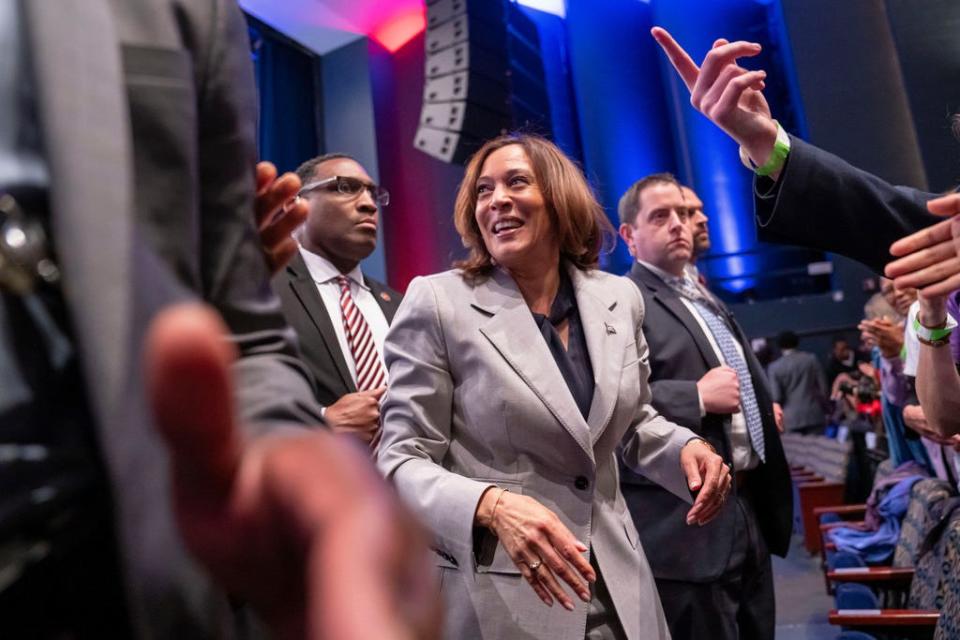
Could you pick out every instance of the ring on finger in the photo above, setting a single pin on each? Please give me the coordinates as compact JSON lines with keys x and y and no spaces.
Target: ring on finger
{"x":535,"y":564}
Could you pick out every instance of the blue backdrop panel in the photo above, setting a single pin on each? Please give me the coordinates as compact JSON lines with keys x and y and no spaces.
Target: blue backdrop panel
{"x":556,"y":70}
{"x":708,"y":157}
{"x":622,"y":112}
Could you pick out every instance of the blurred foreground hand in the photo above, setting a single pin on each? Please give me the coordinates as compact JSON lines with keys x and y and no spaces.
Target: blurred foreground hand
{"x":298,"y":523}
{"x":930,"y":258}
{"x":277,"y":213}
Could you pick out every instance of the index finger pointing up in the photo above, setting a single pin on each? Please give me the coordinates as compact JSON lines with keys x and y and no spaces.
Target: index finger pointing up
{"x":681,"y":61}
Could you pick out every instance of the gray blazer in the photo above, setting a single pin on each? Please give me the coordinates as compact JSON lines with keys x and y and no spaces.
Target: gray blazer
{"x":476,"y":399}
{"x":146,"y":212}
{"x":799,"y":384}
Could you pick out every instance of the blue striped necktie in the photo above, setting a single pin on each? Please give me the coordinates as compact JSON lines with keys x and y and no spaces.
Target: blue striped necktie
{"x":710,"y":312}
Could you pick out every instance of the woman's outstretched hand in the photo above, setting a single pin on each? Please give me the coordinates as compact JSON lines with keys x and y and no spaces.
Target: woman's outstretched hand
{"x":539,"y":544}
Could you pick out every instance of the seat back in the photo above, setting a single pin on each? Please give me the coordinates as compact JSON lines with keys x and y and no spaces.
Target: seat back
{"x":827,"y":457}
{"x":851,"y":595}
{"x":948,"y":627}
{"x":884,"y":469}
{"x":919,"y":519}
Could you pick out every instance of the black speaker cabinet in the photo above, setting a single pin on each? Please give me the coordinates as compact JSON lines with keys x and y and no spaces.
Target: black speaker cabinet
{"x":483,"y":77}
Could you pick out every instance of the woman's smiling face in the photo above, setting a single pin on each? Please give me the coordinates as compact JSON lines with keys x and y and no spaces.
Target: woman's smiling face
{"x":512,"y":214}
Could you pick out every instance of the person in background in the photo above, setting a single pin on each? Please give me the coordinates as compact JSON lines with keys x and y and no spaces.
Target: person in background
{"x":697,"y":220}
{"x":798,"y":383}
{"x":888,"y":337}
{"x":843,"y":359}
{"x":941,"y":444}
{"x":877,"y":305}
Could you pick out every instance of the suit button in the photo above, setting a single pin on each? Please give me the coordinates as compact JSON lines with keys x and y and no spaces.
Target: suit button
{"x":581,"y":482}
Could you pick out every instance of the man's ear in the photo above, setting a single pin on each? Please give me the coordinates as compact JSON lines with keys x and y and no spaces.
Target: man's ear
{"x":626,"y":232}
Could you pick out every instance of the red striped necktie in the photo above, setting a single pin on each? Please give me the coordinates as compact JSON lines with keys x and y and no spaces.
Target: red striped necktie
{"x":370,"y":371}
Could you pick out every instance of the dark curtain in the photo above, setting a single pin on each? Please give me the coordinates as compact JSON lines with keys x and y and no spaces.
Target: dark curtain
{"x":288,"y":83}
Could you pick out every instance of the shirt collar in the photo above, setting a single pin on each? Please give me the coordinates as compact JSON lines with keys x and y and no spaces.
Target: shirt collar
{"x":322,"y":270}
{"x":564,"y":303}
{"x":660,"y":273}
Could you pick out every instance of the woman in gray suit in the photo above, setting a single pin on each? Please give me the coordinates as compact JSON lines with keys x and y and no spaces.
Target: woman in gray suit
{"x":515,"y":381}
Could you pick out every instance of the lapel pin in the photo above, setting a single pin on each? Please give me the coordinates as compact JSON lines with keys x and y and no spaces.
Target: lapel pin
{"x":610,"y":329}
{"x":385,"y":296}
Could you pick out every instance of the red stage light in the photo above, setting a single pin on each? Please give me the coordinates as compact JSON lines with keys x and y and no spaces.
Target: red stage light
{"x":400,"y":29}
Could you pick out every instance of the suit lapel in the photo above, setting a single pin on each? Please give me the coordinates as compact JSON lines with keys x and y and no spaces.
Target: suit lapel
{"x":85,"y":122}
{"x":513,"y":332}
{"x":306,"y":291}
{"x":385,"y":300}
{"x":606,"y":343}
{"x":670,"y":300}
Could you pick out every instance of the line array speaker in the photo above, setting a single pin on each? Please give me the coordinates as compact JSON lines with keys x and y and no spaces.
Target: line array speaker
{"x":483,"y":77}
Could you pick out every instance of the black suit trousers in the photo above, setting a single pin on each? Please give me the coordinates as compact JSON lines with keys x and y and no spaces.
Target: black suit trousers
{"x":737,"y":606}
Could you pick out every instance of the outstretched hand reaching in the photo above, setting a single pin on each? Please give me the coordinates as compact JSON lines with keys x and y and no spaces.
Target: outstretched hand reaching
{"x":298,"y":524}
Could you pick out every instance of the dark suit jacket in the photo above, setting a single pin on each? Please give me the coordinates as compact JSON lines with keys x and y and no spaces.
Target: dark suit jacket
{"x":679,"y":356}
{"x":822,"y":202}
{"x":304,"y":310}
{"x":798,"y":383}
{"x":148,"y":113}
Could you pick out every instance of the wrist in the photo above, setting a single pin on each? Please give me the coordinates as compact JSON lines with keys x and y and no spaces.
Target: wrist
{"x":891,"y":353}
{"x":933,"y":330}
{"x":700,"y":401}
{"x":701,"y":441}
{"x":487,"y":508}
{"x":932,"y":318}
{"x":760,"y":147}
{"x":767,"y":154}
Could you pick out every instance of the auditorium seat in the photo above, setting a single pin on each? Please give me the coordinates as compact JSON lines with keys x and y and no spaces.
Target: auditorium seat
{"x":929,"y":506}
{"x":934,"y":604}
{"x":818,"y":470}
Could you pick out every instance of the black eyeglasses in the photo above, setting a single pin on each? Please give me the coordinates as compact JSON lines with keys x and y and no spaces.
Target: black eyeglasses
{"x":348,"y":187}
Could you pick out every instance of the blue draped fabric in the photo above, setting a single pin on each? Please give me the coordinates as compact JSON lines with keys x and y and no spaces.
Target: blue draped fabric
{"x":289,"y":130}
{"x":902,"y":449}
{"x":877,"y":546}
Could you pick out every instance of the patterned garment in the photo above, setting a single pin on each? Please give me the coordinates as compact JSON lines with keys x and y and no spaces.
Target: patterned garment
{"x":714,"y":317}
{"x":918,"y":521}
{"x":927,"y":590}
{"x":371,"y":373}
{"x":948,"y":627}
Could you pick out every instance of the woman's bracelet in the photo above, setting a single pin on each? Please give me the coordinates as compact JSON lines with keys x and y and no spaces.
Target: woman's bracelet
{"x":493,"y":512}
{"x":698,"y":439}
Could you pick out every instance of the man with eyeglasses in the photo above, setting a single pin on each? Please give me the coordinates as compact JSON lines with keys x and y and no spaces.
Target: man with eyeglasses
{"x":340,"y":315}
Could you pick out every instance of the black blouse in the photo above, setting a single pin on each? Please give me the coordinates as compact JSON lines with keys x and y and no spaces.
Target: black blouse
{"x":574,"y":361}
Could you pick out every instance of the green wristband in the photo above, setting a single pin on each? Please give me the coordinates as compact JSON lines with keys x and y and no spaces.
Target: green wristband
{"x":778,"y":157}
{"x":932,"y":335}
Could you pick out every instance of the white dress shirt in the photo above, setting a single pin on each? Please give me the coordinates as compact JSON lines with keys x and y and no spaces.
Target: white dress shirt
{"x":325,"y":276}
{"x":744,"y":457}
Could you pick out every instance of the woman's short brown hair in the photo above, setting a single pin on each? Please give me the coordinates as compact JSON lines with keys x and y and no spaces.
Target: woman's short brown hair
{"x":581,"y":225}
